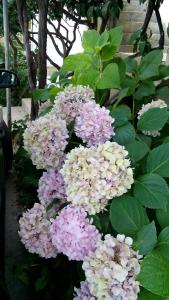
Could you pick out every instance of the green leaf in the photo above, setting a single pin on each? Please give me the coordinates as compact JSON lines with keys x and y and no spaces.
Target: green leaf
{"x":146,"y":139}
{"x":110,"y":78}
{"x":146,"y":295}
{"x":124,"y":93}
{"x":166,"y":140}
{"x":116,"y":35}
{"x":144,"y":90}
{"x":137,"y":150}
{"x":77,"y":62}
{"x":154,"y":275}
{"x":125,"y":134}
{"x":105,"y":9}
{"x":102,"y":41}
{"x":108,"y":52}
{"x":150,"y":64}
{"x":42,"y":281}
{"x":121,"y":66}
{"x":163,"y":216}
{"x":158,"y":160}
{"x":152,"y":191}
{"x":127,"y":216}
{"x":153,"y":119}
{"x":131,"y":65}
{"x":163,"y":243}
{"x":89,"y":40}
{"x":163,"y":71}
{"x":89,"y":77}
{"x":121,"y":114}
{"x":154,"y":57}
{"x":148,"y":72}
{"x":41,"y":94}
{"x":146,"y":239}
{"x":162,"y":92}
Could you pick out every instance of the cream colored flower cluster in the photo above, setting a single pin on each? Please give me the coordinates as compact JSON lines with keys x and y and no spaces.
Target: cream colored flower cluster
{"x":112,"y":269}
{"x":153,"y":104}
{"x":95,"y":175}
{"x":45,"y":139}
{"x":68,"y":103}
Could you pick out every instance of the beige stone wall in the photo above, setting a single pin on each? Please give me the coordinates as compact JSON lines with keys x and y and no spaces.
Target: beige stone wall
{"x":132,"y":18}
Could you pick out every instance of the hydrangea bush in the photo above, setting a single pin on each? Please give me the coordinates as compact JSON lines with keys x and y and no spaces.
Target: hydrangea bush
{"x":106,"y":167}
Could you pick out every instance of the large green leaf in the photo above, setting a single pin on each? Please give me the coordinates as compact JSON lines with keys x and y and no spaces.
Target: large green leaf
{"x":152,"y":191}
{"x":158,"y":160}
{"x":146,"y":295}
{"x":110,"y":78}
{"x":125,"y":134}
{"x":127,"y":215}
{"x":137,"y":150}
{"x":163,"y":243}
{"x":88,"y":77}
{"x":121,"y":114}
{"x":102,"y":41}
{"x":154,"y":275}
{"x":146,"y":239}
{"x":163,"y":216}
{"x":90,"y":38}
{"x":162,"y":92}
{"x":150,"y":64}
{"x":148,"y":72}
{"x":153,"y":119}
{"x":144,"y":90}
{"x":153,"y":57}
{"x":116,"y":35}
{"x":77,"y":62}
{"x":131,"y":65}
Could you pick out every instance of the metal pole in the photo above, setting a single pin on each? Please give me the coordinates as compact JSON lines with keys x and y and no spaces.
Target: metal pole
{"x":2,"y":195}
{"x":6,"y":44}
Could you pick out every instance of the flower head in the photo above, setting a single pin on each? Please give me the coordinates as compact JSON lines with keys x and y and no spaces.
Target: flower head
{"x":35,"y":232}
{"x":68,"y":103}
{"x":94,"y":124}
{"x":95,"y":175}
{"x":73,"y":234}
{"x":83,"y":293}
{"x":51,"y":186}
{"x":45,"y":140}
{"x":153,"y":104}
{"x":112,"y":269}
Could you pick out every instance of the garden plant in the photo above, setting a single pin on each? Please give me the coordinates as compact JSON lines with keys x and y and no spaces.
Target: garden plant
{"x":97,"y":174}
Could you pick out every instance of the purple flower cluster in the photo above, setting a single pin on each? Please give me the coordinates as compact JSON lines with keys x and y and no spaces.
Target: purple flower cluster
{"x":94,"y":124}
{"x":35,"y":232}
{"x":51,"y":186}
{"x":73,"y":234}
{"x":83,"y":293}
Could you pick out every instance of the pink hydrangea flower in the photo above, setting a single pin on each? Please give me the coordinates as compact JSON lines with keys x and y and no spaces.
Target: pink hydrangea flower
{"x":45,"y":139}
{"x":73,"y":234}
{"x":94,"y":124}
{"x":51,"y":186}
{"x":35,"y":232}
{"x":111,"y":271}
{"x":68,"y":103}
{"x":83,"y":293}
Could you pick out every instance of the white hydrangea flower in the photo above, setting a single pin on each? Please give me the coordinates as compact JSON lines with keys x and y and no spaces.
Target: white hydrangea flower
{"x":35,"y":232}
{"x":45,"y":139}
{"x":68,"y":103}
{"x":145,"y":107}
{"x":112,"y":269}
{"x":95,"y":175}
